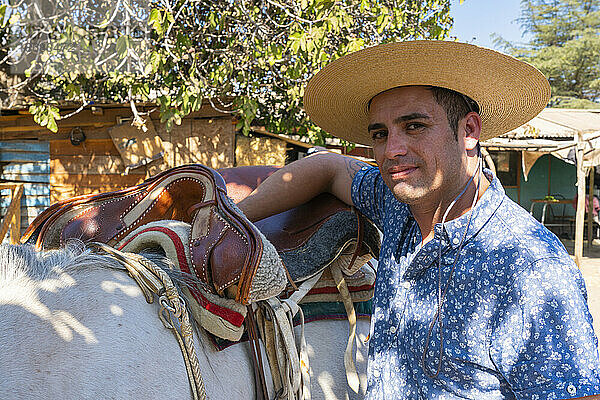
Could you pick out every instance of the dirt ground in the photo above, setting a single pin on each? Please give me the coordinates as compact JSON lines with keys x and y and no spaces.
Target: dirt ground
{"x":590,"y":270}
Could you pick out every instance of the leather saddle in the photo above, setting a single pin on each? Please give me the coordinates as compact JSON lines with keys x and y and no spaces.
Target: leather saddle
{"x":225,"y":248}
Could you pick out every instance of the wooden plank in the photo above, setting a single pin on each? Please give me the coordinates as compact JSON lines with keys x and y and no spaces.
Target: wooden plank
{"x":15,"y":226}
{"x":81,"y":180}
{"x":33,"y":178}
{"x":208,"y":142}
{"x":83,"y":118}
{"x":26,"y":211}
{"x":62,"y":134}
{"x":30,"y":189}
{"x":90,"y":147}
{"x":9,"y":186}
{"x":59,"y":193}
{"x":78,"y":190}
{"x":31,"y":201}
{"x":35,"y":128}
{"x":580,"y":201}
{"x":22,"y":156}
{"x":94,"y":126}
{"x":11,"y":117}
{"x":590,"y":214}
{"x":259,"y":151}
{"x":27,"y":168}
{"x":89,"y":165}
{"x":29,"y":146}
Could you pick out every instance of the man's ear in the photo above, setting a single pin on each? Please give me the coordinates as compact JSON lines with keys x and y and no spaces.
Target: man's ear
{"x":472,"y":127}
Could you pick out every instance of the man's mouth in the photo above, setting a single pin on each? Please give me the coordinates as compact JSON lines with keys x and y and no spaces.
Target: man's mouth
{"x":401,"y":172}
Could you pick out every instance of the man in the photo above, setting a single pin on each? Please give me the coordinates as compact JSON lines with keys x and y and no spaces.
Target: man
{"x":474,"y":298}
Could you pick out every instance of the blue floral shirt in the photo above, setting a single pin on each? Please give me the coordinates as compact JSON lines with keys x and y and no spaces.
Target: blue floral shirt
{"x":516,"y":324}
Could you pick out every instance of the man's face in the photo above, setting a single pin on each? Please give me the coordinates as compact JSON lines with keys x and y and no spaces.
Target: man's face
{"x":418,"y":155}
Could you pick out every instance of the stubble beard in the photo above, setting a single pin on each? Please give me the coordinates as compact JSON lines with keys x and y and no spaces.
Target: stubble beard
{"x":409,"y":193}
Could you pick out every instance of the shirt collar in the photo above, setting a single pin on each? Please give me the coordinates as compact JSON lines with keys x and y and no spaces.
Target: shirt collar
{"x":449,"y":236}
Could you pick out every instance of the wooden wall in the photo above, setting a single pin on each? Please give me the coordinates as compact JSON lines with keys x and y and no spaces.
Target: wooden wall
{"x":251,"y":150}
{"x":95,"y":166}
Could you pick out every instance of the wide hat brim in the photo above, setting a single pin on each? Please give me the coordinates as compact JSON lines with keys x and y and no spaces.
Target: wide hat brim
{"x":509,"y":92}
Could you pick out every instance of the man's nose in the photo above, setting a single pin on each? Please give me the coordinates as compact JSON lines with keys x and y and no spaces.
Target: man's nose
{"x":395,"y":145}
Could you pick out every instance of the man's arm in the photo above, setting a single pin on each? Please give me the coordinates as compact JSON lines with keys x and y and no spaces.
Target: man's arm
{"x":300,"y":181}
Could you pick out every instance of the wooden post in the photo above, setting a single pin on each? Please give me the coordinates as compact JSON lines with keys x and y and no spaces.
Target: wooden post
{"x":13,"y":214}
{"x":590,"y":214}
{"x":549,"y":172}
{"x":580,"y":201}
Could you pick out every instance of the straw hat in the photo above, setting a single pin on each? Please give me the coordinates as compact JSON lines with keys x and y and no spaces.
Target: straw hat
{"x":509,"y":92}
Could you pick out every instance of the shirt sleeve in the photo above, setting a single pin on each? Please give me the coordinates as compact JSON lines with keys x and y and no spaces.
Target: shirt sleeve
{"x":543,"y":342}
{"x":369,"y":194}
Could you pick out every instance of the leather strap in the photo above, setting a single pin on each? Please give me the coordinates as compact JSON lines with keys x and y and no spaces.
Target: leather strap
{"x":351,"y":374}
{"x":359,"y":238}
{"x":260,"y":385}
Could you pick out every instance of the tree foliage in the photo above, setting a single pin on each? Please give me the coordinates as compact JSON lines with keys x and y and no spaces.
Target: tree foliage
{"x":250,"y":57}
{"x":565,"y":46}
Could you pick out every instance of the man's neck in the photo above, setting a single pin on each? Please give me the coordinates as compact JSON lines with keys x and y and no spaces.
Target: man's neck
{"x":427,"y":217}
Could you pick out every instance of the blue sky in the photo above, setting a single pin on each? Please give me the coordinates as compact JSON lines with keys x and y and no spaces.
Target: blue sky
{"x":476,"y":20}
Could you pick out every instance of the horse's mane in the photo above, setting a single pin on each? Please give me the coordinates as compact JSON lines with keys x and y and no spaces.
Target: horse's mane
{"x":19,"y":261}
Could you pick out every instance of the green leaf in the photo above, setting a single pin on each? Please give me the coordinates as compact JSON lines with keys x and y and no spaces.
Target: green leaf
{"x":122,"y":46}
{"x":169,"y":17}
{"x":212,"y":19}
{"x":155,"y":21}
{"x":54,"y":112}
{"x":3,"y":14}
{"x":33,"y":109}
{"x":52,"y":125}
{"x":155,"y":59}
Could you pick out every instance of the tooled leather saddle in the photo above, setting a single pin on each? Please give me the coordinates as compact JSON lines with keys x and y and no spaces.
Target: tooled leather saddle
{"x":225,"y":247}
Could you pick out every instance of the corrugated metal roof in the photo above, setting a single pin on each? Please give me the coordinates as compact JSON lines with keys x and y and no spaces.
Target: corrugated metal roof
{"x":558,"y":123}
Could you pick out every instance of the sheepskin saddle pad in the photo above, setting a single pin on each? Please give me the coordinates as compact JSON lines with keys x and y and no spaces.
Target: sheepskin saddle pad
{"x":229,"y":256}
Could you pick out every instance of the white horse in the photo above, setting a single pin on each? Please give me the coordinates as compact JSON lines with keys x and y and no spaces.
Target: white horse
{"x":71,"y":327}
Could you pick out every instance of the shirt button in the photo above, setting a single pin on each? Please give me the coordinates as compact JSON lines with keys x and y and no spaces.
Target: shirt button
{"x":571,"y":389}
{"x":393,"y":330}
{"x":455,"y":240}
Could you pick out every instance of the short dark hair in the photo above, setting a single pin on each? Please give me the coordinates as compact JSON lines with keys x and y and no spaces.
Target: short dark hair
{"x":456,"y":105}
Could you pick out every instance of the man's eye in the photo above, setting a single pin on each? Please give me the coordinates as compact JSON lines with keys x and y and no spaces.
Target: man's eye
{"x":378,"y":134}
{"x":414,"y":126}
